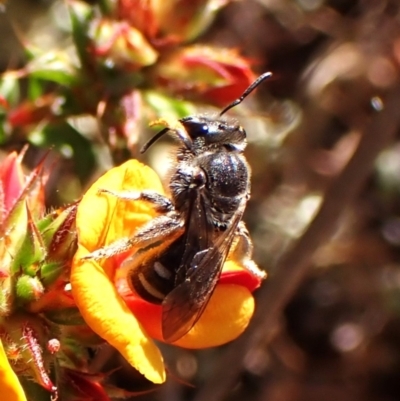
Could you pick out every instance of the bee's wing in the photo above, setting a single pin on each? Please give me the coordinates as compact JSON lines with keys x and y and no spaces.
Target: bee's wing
{"x":197,"y":238}
{"x":184,"y":305}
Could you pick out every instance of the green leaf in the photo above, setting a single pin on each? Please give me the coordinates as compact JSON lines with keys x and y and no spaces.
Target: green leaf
{"x":31,"y":251}
{"x":9,"y":88}
{"x":108,"y":7}
{"x":60,"y":235}
{"x":35,"y":89}
{"x":51,"y":272}
{"x":44,"y":222}
{"x":168,"y":107}
{"x":3,"y":131}
{"x":18,"y":230}
{"x":52,"y":67}
{"x":65,"y":137}
{"x":81,"y":16}
{"x":14,"y":232}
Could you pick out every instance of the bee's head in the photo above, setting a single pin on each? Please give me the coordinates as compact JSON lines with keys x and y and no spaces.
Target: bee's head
{"x":213,"y":131}
{"x":219,"y":132}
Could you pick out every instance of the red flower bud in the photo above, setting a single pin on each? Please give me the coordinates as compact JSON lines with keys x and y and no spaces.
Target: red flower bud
{"x":121,"y":45}
{"x":216,"y":76}
{"x":33,"y":112}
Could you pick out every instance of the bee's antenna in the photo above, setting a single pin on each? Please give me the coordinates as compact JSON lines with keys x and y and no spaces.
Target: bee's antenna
{"x":180,"y":133}
{"x":247,"y":92}
{"x":153,"y":139}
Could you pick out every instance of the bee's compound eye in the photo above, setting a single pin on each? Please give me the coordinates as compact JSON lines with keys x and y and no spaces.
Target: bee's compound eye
{"x":199,"y":130}
{"x":196,"y":129}
{"x":202,"y":130}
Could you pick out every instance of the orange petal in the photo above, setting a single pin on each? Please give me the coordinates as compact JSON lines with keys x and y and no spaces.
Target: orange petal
{"x":10,"y":387}
{"x":226,"y":316}
{"x":107,"y":314}
{"x":229,"y":311}
{"x":101,"y":219}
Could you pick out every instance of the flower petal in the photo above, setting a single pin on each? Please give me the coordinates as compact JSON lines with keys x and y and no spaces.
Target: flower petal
{"x":10,"y":387}
{"x":11,"y":180}
{"x":107,"y":314}
{"x":101,"y":219}
{"x":232,"y":273}
{"x":122,"y":43}
{"x":217,"y":76}
{"x":226,"y":316}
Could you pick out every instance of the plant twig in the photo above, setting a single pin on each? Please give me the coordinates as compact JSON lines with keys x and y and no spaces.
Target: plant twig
{"x":293,"y":267}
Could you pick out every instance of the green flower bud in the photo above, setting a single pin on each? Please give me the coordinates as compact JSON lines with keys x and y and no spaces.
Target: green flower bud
{"x":28,"y":289}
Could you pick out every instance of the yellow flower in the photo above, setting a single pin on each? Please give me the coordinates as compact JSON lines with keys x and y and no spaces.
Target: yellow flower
{"x":120,"y":317}
{"x":10,"y":387}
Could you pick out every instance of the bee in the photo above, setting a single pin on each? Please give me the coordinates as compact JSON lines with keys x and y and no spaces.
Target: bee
{"x":178,"y":255}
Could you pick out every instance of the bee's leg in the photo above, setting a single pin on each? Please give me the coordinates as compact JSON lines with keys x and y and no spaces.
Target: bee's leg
{"x":162,"y":203}
{"x":243,"y":252}
{"x":159,"y":229}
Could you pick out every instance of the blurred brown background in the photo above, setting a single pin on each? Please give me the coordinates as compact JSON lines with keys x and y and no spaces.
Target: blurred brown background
{"x":333,"y":63}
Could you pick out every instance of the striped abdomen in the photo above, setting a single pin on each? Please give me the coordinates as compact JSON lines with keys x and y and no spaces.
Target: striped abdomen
{"x":155,"y":278}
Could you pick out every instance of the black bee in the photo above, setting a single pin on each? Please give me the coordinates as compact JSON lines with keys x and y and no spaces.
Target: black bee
{"x":178,"y":256}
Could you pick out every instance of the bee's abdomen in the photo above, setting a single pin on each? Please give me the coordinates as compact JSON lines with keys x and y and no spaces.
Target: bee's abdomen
{"x":152,"y":281}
